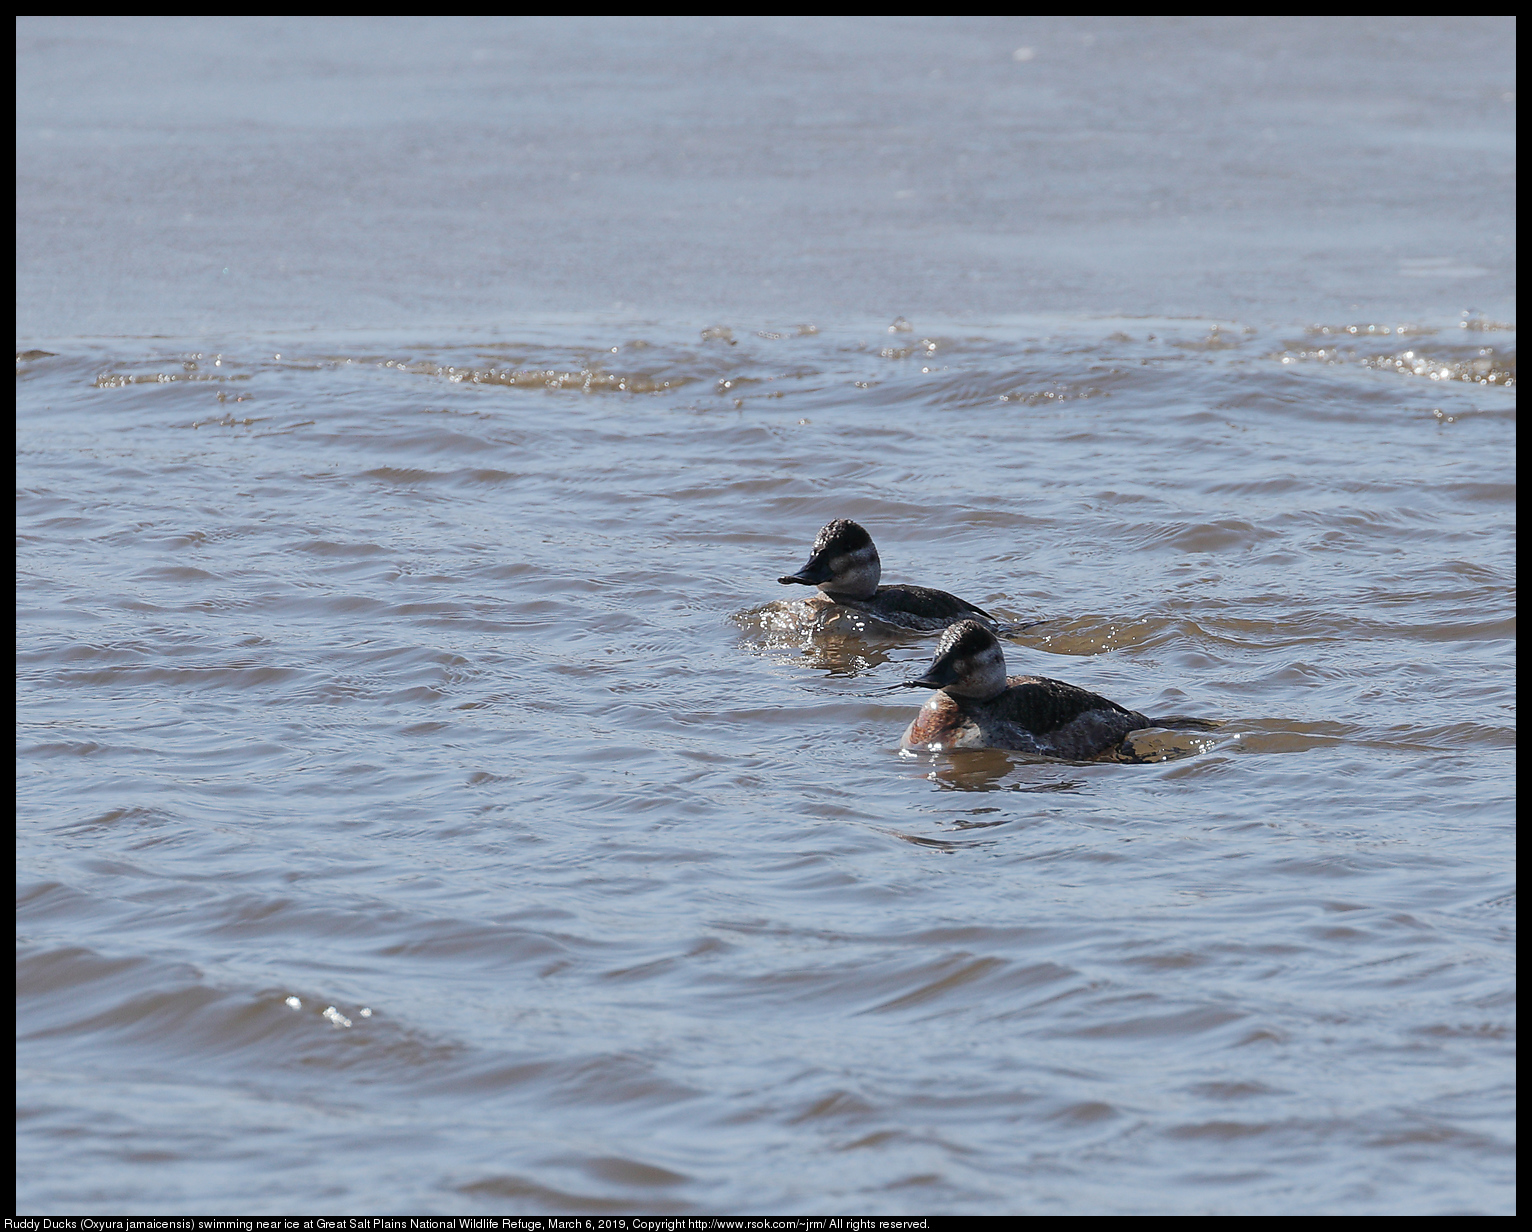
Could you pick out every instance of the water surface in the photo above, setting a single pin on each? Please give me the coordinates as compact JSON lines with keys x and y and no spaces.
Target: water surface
{"x":434,"y":681}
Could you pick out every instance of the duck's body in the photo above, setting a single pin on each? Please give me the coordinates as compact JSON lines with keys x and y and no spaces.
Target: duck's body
{"x":917,"y":608}
{"x":977,"y":706}
{"x":1033,"y":715}
{"x":845,"y":568}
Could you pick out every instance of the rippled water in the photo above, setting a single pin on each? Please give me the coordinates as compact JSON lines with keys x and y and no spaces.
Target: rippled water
{"x":423,"y":807}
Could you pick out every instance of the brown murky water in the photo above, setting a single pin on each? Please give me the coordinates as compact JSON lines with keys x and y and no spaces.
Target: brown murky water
{"x":424,"y":805}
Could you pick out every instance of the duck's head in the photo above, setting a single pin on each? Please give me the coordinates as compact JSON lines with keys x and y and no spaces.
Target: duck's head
{"x":843,"y":562}
{"x":968,"y":663}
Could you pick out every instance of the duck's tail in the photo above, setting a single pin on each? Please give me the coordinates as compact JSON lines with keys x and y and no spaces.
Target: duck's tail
{"x":1005,"y":628}
{"x":1183,"y":722}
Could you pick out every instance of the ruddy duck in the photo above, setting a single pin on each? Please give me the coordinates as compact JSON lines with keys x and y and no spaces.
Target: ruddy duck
{"x":844,"y":565}
{"x":979,"y":707}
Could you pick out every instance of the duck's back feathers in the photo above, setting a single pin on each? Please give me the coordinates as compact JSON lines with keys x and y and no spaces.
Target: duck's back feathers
{"x":1042,"y":705}
{"x":926,"y":602}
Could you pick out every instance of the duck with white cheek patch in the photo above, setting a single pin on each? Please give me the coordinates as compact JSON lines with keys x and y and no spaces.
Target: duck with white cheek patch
{"x":977,"y":706}
{"x":844,"y":566}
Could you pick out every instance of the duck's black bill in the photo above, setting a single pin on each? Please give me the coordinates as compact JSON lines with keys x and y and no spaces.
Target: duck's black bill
{"x":811,"y":574}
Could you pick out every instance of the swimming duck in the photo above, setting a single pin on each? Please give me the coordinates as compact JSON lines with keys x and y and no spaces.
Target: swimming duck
{"x":844,"y":565}
{"x":978,"y":706}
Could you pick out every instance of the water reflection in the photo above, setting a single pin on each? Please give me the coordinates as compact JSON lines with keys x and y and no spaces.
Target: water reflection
{"x":935,"y":844}
{"x":835,"y":642}
{"x":987,"y":770}
{"x":845,"y":659}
